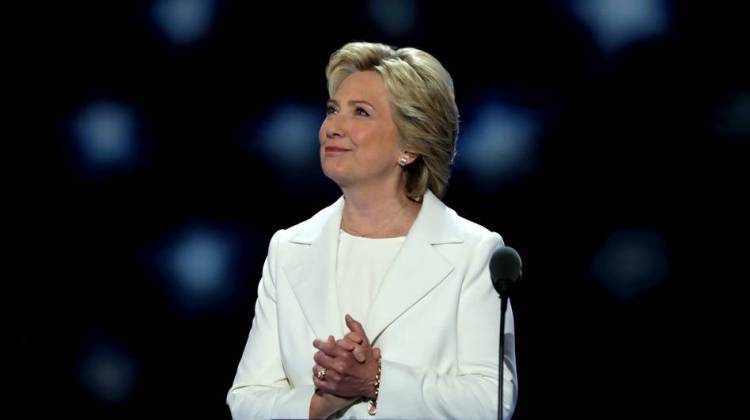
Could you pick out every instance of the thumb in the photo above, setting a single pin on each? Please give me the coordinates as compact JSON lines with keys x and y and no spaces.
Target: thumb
{"x":359,"y":354}
{"x":356,"y":327}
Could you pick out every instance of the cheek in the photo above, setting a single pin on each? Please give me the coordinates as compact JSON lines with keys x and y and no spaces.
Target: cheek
{"x":322,"y":133}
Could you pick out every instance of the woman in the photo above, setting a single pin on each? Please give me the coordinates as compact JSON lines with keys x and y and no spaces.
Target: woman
{"x":381,"y":304}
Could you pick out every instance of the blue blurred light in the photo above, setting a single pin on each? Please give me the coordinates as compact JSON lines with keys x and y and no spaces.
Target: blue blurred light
{"x":289,"y":139}
{"x":393,"y":17}
{"x":108,"y":373}
{"x":105,"y":136}
{"x":732,"y":119}
{"x":200,"y":262}
{"x":184,"y":21}
{"x":198,"y":266}
{"x":630,"y":262}
{"x":616,"y":23}
{"x":498,"y":145}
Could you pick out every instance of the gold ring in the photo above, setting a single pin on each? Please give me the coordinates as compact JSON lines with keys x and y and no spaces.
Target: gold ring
{"x":322,"y":374}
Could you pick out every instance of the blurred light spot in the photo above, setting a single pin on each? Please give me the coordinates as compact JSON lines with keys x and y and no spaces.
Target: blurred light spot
{"x":105,"y":136}
{"x":108,"y":373}
{"x":183,"y":21}
{"x":198,"y":266}
{"x":616,"y":23}
{"x":289,"y":139}
{"x":393,"y":17}
{"x":630,"y":262}
{"x":498,"y":145}
{"x":733,"y":118}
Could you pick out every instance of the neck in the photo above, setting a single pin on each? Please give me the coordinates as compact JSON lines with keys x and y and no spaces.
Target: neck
{"x":378,"y":213}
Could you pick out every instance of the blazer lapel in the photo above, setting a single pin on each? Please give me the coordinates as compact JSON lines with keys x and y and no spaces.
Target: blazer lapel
{"x":314,"y":278}
{"x":417,"y":269}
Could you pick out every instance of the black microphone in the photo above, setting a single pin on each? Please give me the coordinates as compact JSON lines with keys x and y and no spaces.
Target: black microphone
{"x":505,"y":273}
{"x":505,"y":269}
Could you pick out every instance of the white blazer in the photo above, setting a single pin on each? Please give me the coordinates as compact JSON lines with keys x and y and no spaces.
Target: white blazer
{"x":435,"y":319}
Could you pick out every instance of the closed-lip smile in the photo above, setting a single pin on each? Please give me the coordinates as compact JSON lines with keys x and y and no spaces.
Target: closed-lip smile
{"x":334,"y":149}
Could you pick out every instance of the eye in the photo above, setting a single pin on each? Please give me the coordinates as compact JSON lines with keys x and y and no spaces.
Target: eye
{"x":361,"y":111}
{"x":330,"y":109}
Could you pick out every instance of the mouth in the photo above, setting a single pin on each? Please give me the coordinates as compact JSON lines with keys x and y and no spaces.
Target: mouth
{"x":333,"y":149}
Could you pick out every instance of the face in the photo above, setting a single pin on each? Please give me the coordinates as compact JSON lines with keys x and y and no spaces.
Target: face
{"x":359,"y":142}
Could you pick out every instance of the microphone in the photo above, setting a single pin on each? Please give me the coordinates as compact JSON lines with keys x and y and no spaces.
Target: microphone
{"x":505,"y":270}
{"x":505,"y":273}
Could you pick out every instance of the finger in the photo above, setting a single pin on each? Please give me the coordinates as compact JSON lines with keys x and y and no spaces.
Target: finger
{"x":324,"y":360}
{"x":333,"y":364}
{"x":325,"y":386}
{"x":329,"y":348}
{"x":345,"y":344}
{"x":376,"y":353}
{"x":331,"y":375}
{"x":360,"y":354}
{"x":354,"y":337}
{"x":331,"y":339}
{"x":356,"y":327}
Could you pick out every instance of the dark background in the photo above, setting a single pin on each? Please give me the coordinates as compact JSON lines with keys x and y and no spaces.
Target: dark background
{"x":650,"y":136}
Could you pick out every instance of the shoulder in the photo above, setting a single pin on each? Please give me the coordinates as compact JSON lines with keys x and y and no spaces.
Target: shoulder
{"x":471,"y":232}
{"x":479,"y":243}
{"x":308,"y":230}
{"x":474,"y":232}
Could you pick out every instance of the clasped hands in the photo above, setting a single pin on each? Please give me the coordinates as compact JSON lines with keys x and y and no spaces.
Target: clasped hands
{"x":349,"y":367}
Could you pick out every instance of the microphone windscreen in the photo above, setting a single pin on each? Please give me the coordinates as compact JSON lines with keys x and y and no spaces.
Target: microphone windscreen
{"x":505,"y":266}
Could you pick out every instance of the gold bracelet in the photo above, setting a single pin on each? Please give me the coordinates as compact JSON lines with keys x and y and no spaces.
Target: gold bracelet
{"x":372,"y":404}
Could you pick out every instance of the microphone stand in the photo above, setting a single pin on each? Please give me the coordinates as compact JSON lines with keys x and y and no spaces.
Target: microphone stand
{"x":501,"y":355}
{"x":505,"y":272}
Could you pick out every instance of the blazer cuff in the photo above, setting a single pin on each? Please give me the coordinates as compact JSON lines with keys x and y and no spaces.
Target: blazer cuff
{"x":400,"y":392}
{"x":407,"y":393}
{"x":294,"y":404}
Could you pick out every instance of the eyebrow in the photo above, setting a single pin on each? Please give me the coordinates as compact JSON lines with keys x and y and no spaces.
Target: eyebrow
{"x":352,"y":102}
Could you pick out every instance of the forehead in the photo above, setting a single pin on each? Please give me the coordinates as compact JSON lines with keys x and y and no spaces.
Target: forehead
{"x":365,"y":85}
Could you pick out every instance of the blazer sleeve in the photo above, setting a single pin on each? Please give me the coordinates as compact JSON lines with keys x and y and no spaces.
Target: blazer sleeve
{"x":471,"y":392}
{"x":260,"y":389}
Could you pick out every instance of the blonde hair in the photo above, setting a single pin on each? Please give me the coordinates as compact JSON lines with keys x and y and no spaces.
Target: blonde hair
{"x":423,"y":105}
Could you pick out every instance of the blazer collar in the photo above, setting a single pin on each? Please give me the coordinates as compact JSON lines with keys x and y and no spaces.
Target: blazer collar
{"x":433,"y":223}
{"x":417,"y":269}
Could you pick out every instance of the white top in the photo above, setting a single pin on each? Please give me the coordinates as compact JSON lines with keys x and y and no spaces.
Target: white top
{"x":434,"y":327}
{"x":361,"y":265}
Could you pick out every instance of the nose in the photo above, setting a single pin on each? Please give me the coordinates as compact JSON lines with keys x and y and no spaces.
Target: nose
{"x":333,"y":132}
{"x":332,"y":127}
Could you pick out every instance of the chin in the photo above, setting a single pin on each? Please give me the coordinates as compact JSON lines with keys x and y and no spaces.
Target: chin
{"x":341,"y":177}
{"x":334,"y":172}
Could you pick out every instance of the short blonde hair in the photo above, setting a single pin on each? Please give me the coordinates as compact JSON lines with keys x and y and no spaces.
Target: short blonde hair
{"x":423,"y":104}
